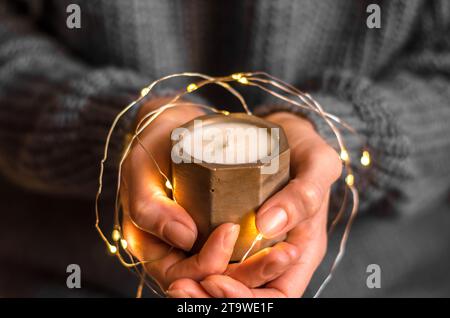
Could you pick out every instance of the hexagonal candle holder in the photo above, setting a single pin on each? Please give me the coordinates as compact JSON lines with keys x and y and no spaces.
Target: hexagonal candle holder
{"x":218,"y":177}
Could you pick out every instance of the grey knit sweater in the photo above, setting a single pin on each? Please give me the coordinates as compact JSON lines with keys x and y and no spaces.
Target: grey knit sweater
{"x":60,"y":88}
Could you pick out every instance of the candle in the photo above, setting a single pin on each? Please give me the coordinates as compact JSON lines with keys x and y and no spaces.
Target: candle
{"x":224,"y":168}
{"x":227,"y":143}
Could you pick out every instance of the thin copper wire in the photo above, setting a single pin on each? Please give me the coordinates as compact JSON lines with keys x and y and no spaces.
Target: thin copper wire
{"x":343,"y":242}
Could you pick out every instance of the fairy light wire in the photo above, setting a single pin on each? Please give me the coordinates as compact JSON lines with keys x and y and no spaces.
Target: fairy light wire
{"x":250,"y":79}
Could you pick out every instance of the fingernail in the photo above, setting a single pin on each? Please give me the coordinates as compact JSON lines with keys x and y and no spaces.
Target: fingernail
{"x":272,"y":221}
{"x":177,"y":293}
{"x":230,"y":238}
{"x":179,"y":235}
{"x":212,"y":289}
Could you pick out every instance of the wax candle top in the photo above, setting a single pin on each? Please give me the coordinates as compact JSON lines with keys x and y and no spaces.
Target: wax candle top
{"x":228,"y":142}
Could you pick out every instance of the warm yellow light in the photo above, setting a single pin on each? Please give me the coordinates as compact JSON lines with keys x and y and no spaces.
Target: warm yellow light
{"x":115,"y":235}
{"x":225,"y":112}
{"x":350,"y":180}
{"x":112,"y":249}
{"x":236,"y":76}
{"x":124,"y":244}
{"x":365,"y":158}
{"x":344,"y":155}
{"x":145,"y":91}
{"x":169,"y":185}
{"x":243,"y":80}
{"x":259,"y":237}
{"x":191,"y":87}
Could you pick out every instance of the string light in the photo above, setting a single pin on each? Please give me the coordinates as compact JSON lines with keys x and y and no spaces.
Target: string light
{"x":115,"y":235}
{"x":112,"y":249}
{"x":258,"y":238}
{"x":344,"y":155}
{"x":365,"y":158}
{"x":236,"y":76}
{"x":191,"y":87}
{"x":260,"y":80}
{"x":350,"y":180}
{"x":243,"y":80}
{"x":145,"y":91}
{"x":169,"y":185}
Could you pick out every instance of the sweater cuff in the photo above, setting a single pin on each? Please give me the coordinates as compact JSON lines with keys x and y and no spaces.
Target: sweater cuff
{"x":108,"y":92}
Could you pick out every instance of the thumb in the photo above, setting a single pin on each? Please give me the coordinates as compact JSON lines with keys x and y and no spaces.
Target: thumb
{"x":315,"y":166}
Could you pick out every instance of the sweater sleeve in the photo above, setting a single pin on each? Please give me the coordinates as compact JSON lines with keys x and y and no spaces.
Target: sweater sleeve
{"x":55,"y":111}
{"x":404,"y":115}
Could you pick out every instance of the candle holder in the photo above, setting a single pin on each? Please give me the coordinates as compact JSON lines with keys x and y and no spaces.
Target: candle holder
{"x":215,"y":193}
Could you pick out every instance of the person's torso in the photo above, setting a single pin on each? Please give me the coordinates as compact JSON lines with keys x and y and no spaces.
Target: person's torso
{"x":291,"y":39}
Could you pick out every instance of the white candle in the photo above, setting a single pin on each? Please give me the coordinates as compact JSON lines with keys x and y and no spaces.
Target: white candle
{"x":228,"y":143}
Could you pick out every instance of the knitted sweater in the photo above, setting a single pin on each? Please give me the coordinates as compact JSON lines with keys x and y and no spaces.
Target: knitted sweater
{"x":60,"y":88}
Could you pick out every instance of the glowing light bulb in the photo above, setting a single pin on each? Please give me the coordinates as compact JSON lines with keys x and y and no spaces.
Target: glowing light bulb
{"x":236,"y":76}
{"x":112,"y":249}
{"x":365,"y":158}
{"x":344,"y":155}
{"x":225,"y":112}
{"x":145,"y":91}
{"x":191,"y":87}
{"x":115,"y":235}
{"x":243,"y":80}
{"x":169,"y":185}
{"x":124,"y":244}
{"x":350,"y":180}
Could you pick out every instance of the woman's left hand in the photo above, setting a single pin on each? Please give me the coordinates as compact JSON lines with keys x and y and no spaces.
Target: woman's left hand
{"x":300,"y":209}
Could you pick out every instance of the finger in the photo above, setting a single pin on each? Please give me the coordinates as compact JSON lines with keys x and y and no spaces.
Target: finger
{"x":315,"y":166}
{"x":292,"y":283}
{"x":144,"y":246}
{"x":167,"y":265}
{"x":213,"y":258}
{"x":221,"y":286}
{"x":187,"y":288}
{"x":264,"y":266}
{"x":149,"y":207}
{"x":295,"y":280}
{"x":155,"y":213}
{"x":311,"y":238}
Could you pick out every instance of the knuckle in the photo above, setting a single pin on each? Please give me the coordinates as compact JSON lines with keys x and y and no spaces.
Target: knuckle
{"x":137,"y":213}
{"x":275,"y":257}
{"x":310,"y":194}
{"x":143,"y":214}
{"x":209,"y":268}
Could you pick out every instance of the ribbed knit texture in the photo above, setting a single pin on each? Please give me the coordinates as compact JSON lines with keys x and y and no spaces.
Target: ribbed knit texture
{"x":60,"y":88}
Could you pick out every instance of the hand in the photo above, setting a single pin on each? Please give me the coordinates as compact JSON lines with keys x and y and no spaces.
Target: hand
{"x":156,"y":228}
{"x":299,"y":209}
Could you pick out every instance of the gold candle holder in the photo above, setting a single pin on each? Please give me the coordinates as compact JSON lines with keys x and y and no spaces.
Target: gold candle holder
{"x":219,"y":191}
